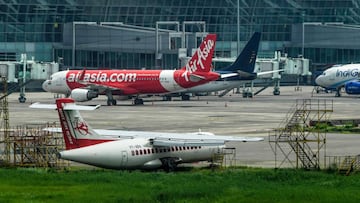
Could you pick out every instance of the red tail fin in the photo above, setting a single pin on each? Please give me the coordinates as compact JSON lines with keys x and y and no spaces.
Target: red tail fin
{"x":70,"y":141}
{"x":76,"y":132}
{"x":202,"y":58}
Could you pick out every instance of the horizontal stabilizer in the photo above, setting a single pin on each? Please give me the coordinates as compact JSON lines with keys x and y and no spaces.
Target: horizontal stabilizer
{"x":67,"y":106}
{"x":246,"y":74}
{"x":228,"y":75}
{"x":196,"y":78}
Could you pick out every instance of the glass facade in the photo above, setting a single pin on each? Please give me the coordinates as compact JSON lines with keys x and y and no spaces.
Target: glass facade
{"x":35,"y":27}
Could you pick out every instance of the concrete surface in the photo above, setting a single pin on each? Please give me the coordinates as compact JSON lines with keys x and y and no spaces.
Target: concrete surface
{"x":229,"y":115}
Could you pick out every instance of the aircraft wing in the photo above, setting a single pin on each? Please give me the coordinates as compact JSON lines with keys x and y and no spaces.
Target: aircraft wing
{"x":178,"y":139}
{"x":163,"y":139}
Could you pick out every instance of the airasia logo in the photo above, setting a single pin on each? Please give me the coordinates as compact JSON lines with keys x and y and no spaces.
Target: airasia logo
{"x":103,"y":77}
{"x":198,"y":62}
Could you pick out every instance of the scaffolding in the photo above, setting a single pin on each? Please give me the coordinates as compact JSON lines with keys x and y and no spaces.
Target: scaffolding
{"x":31,"y":146}
{"x":344,"y":165}
{"x":297,"y":142}
{"x":5,"y":129}
{"x":225,"y":157}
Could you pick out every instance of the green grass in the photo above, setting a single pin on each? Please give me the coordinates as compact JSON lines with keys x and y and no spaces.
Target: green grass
{"x":345,"y":129}
{"x":198,"y":185}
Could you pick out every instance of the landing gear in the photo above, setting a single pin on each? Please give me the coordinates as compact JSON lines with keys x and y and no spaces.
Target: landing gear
{"x":110,"y":100}
{"x":337,"y":93}
{"x":138,"y":101}
{"x":22,"y":99}
{"x":185,"y":97}
{"x":166,"y":98}
{"x":169,"y":164}
{"x":276,"y":91}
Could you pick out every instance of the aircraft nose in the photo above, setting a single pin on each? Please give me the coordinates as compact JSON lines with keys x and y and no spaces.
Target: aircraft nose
{"x":319,"y":80}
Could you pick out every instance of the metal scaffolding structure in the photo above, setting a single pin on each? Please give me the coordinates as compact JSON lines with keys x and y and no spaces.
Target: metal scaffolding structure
{"x":5,"y":129}
{"x":31,"y":146}
{"x":297,"y":142}
{"x":27,"y":145}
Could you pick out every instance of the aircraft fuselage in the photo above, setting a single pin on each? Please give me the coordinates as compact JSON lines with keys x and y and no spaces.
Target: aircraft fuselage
{"x":137,"y":154}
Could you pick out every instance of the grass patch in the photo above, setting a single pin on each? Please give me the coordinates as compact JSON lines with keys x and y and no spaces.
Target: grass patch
{"x":235,"y":185}
{"x":345,"y":129}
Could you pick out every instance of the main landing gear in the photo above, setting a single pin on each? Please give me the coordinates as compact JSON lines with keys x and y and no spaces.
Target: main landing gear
{"x":170,"y":164}
{"x":337,"y":93}
{"x":110,"y":100}
{"x":138,"y":101}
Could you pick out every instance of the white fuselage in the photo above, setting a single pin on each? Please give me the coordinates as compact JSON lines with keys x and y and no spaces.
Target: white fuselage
{"x":136,"y":154}
{"x":336,"y":76}
{"x":217,"y":85}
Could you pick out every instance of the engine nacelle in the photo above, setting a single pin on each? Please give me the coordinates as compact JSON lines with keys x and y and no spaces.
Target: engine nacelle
{"x":352,"y":87}
{"x":82,"y":95}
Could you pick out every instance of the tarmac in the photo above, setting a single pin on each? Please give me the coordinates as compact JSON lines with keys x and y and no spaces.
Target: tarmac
{"x":228,"y":115}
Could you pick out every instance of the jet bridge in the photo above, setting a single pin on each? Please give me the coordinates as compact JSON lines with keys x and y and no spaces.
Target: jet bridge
{"x":19,"y":73}
{"x":292,"y":68}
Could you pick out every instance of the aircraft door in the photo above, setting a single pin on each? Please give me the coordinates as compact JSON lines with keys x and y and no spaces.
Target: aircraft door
{"x":124,"y":158}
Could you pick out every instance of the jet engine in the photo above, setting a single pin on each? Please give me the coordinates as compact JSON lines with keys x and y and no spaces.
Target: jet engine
{"x":82,"y":95}
{"x":352,"y":87}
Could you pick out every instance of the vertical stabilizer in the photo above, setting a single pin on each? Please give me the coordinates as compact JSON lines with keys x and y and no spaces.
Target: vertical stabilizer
{"x":77,"y":133}
{"x":246,"y":60}
{"x":202,"y":58}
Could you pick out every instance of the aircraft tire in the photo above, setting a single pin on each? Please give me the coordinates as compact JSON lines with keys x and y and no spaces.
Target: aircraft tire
{"x":22,"y":99}
{"x":185,"y":97}
{"x":169,"y":164}
{"x":138,"y":101}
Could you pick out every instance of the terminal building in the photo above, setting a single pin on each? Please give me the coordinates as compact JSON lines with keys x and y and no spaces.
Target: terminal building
{"x":157,"y":34}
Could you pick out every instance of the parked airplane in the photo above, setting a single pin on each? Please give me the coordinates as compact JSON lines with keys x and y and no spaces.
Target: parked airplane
{"x":84,"y":85}
{"x":341,"y":76}
{"x":244,"y":66}
{"x":132,"y":150}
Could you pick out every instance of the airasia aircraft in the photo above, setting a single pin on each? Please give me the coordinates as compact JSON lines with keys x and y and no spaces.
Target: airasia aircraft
{"x":132,"y":149}
{"x":84,"y":85}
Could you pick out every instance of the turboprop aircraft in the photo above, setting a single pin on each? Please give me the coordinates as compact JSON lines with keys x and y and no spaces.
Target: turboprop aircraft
{"x":84,"y":85}
{"x":132,"y":150}
{"x":340,"y":76}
